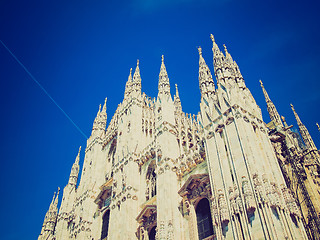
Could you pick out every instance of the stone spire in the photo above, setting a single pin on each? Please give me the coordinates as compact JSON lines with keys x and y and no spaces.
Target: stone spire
{"x":273,"y":113}
{"x":50,"y":218}
{"x":218,"y":57}
{"x":55,"y":205}
{"x":96,"y":119}
{"x":100,"y":121}
{"x":177,"y":101}
{"x":238,"y":76}
{"x":318,"y":126}
{"x":104,"y":108}
{"x":206,"y":83}
{"x":47,"y":216}
{"x":224,"y":68}
{"x":228,"y":57}
{"x":136,"y":83}
{"x":73,"y":179}
{"x":128,"y":89}
{"x":164,"y":84}
{"x":177,"y":92}
{"x":51,"y":204}
{"x":304,"y":132}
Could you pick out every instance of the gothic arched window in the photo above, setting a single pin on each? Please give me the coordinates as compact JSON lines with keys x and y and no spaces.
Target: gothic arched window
{"x":204,"y":220}
{"x":151,"y":180}
{"x":105,"y":225}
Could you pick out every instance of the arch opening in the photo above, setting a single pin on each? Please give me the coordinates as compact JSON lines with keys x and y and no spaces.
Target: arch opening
{"x":204,"y":220}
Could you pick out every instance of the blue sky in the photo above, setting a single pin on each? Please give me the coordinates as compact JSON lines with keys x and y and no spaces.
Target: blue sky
{"x":81,"y":52}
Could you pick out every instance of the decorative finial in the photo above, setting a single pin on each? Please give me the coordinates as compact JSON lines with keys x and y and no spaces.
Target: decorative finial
{"x":225,"y":49}
{"x":292,"y":106}
{"x":284,"y":121}
{"x":212,"y":37}
{"x":79,"y":150}
{"x":261,"y":82}
{"x":105,"y":101}
{"x":200,"y":51}
{"x":129,"y":77}
{"x":137,"y":62}
{"x":99,"y":107}
{"x":177,"y":92}
{"x":162,"y":58}
{"x":318,"y":126}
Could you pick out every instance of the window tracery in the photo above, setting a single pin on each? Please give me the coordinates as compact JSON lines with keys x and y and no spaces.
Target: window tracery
{"x":151,"y":181}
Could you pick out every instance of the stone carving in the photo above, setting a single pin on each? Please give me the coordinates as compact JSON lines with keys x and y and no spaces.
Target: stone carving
{"x":224,"y":213}
{"x":290,"y":202}
{"x":248,"y":195}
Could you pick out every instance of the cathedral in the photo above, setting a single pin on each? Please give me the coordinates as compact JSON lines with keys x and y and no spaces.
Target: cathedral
{"x":156,"y":172}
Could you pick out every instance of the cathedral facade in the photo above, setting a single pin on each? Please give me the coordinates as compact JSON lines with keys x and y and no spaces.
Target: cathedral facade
{"x":156,"y":172}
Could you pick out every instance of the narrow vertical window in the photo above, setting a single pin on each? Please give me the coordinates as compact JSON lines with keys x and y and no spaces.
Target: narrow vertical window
{"x":151,"y":180}
{"x":152,"y":233}
{"x":204,"y":220}
{"x":105,"y":225}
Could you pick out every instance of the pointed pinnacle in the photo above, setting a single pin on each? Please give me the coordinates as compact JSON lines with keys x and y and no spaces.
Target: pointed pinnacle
{"x":130,"y":75}
{"x":137,"y":77}
{"x":212,"y":37}
{"x":54,"y":196}
{"x":292,"y":107}
{"x":177,"y":92}
{"x":296,"y":115}
{"x":225,"y":48}
{"x":163,"y":66}
{"x":57,"y":198}
{"x":261,"y":83}
{"x":104,"y":109}
{"x":200,"y":51}
{"x":318,"y":126}
{"x":284,"y":121}
{"x":78,"y":156}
